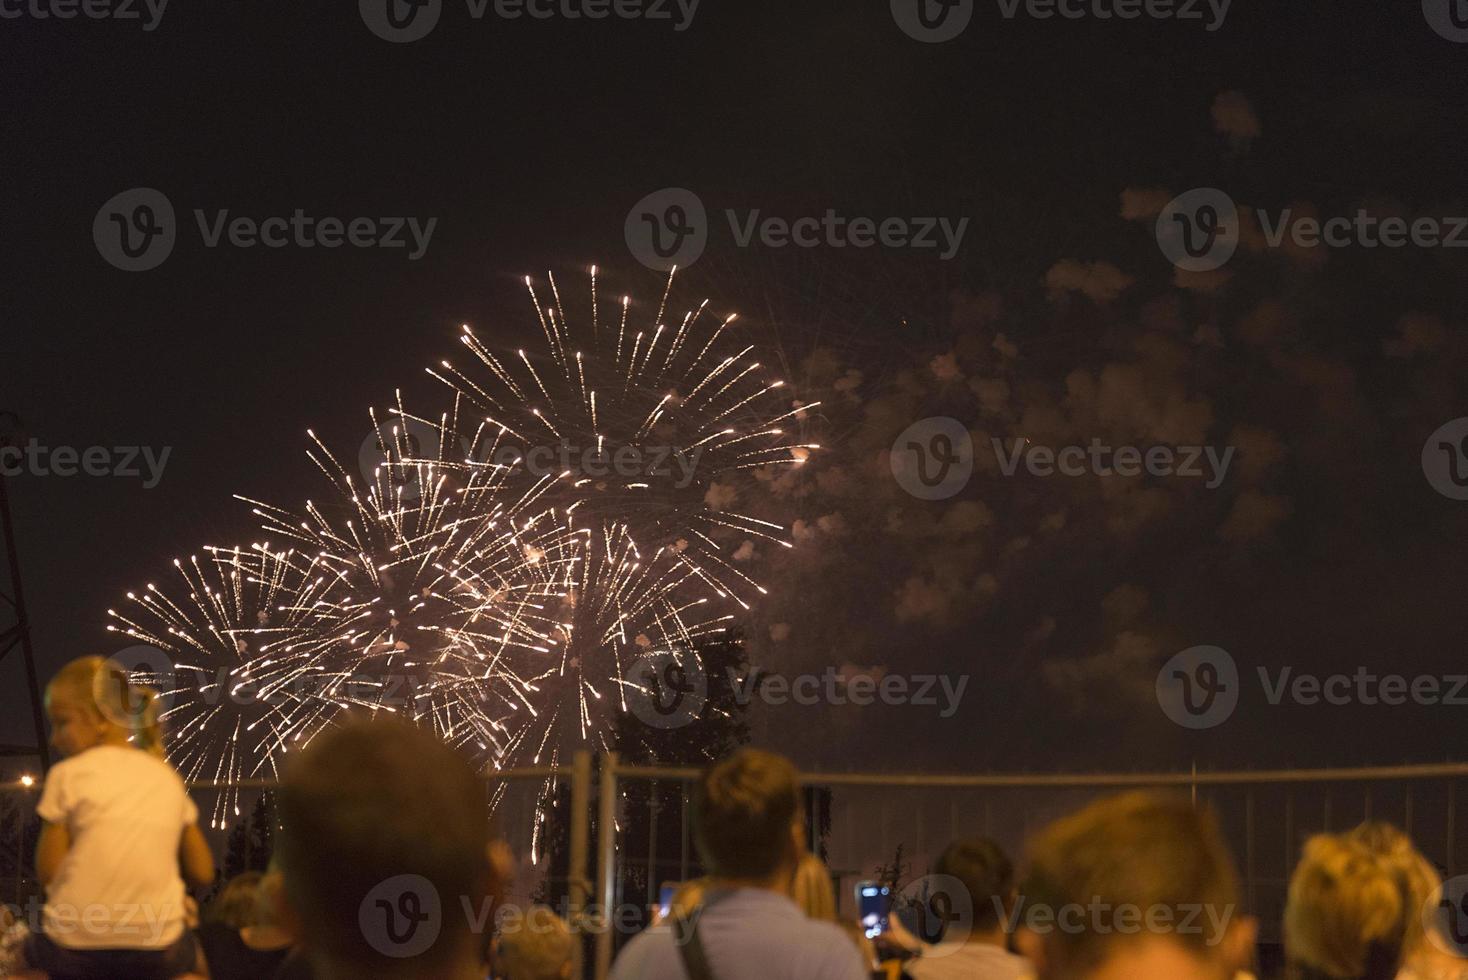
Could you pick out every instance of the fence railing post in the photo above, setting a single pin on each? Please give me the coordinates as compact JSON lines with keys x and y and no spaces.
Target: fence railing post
{"x":652,"y":843}
{"x":606,"y":864}
{"x":579,"y":884}
{"x":1452,"y":828}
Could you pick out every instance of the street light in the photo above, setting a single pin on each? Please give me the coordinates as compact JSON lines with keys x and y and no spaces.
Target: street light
{"x":28,"y":780}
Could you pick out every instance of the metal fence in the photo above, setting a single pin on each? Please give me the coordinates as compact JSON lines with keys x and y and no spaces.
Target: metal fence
{"x":1265,"y":814}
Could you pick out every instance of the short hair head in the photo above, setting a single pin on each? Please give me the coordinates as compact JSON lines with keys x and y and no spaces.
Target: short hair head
{"x":746,"y":807}
{"x":365,"y":803}
{"x":1143,"y":850}
{"x":534,"y":945}
{"x":986,"y":873}
{"x":1347,"y":912}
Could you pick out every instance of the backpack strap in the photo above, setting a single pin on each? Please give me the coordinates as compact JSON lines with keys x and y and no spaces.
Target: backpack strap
{"x":690,"y":949}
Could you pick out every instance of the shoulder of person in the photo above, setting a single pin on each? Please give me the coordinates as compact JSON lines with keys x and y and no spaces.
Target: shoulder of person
{"x":827,"y":931}
{"x":140,"y":759}
{"x":828,"y":938}
{"x":631,"y":961}
{"x":63,"y":774}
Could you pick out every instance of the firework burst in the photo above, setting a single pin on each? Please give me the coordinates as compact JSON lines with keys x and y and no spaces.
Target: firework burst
{"x":494,"y":572}
{"x":657,"y":426}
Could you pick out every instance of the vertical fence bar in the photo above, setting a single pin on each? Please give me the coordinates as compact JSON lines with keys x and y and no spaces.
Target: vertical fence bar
{"x":578,"y":885}
{"x":1289,"y":828}
{"x":683,"y":849}
{"x":19,"y":848}
{"x":1452,"y":833}
{"x":606,"y":872}
{"x":1407,"y":814}
{"x":1249,"y":851}
{"x":652,"y":843}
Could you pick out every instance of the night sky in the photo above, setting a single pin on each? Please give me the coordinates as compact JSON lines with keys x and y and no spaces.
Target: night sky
{"x":1058,"y":319}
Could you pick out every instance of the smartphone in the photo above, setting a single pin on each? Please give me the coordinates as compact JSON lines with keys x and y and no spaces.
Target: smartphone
{"x":873,"y":905}
{"x":665,"y":898}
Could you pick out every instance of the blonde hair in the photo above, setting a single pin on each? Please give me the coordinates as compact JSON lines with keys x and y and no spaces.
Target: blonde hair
{"x":812,"y":889}
{"x":1424,"y":885}
{"x":1346,"y":915}
{"x":687,"y":897}
{"x":103,"y":689}
{"x":238,"y":902}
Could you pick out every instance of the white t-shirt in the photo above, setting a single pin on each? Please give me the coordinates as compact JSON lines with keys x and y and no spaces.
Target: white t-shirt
{"x":119,"y":885}
{"x":968,"y":961}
